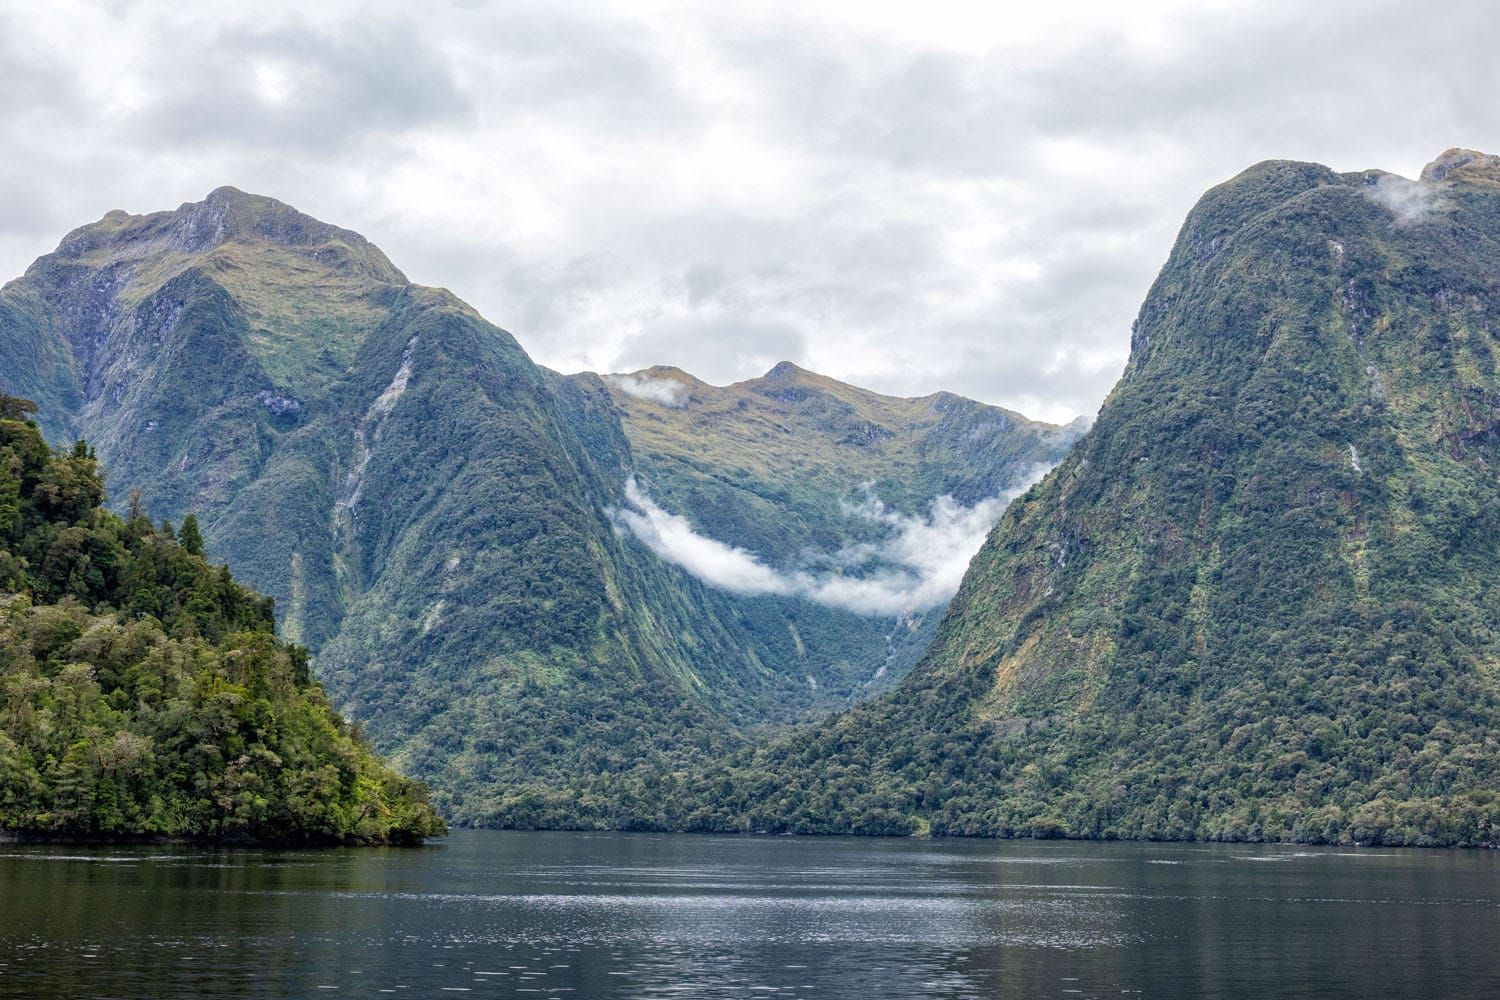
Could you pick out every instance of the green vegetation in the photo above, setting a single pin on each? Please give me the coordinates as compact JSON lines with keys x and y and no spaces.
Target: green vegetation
{"x":428,"y":508}
{"x":769,"y":464}
{"x":143,"y":692}
{"x":772,"y":465}
{"x":1257,"y":601}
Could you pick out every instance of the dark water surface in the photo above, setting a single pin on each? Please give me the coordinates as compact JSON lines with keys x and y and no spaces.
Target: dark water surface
{"x":622,"y":915}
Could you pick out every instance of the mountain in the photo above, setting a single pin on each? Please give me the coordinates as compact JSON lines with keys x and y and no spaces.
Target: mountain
{"x":1257,"y":601}
{"x":443,"y":523}
{"x":829,"y":486}
{"x":143,"y":691}
{"x":741,"y":458}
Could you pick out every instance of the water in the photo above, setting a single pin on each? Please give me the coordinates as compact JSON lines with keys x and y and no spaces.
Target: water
{"x":618,"y":915}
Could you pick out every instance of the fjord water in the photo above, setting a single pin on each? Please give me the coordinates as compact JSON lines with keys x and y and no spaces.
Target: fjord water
{"x":636,"y":915}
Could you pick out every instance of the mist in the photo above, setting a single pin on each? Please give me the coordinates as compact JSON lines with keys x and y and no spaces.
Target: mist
{"x":673,"y":538}
{"x":1409,"y":201}
{"x":665,"y":391}
{"x":916,"y":566}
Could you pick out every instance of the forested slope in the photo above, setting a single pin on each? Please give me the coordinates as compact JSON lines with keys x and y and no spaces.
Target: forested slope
{"x":432,"y":512}
{"x":1258,"y":600}
{"x":143,"y":693}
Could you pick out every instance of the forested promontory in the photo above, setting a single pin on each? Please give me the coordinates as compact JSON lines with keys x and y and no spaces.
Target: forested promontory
{"x":144,"y":693}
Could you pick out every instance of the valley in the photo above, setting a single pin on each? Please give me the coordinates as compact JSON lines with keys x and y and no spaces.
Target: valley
{"x":446,"y":526}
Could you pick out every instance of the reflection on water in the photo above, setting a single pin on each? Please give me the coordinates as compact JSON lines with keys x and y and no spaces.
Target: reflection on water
{"x":618,"y":915}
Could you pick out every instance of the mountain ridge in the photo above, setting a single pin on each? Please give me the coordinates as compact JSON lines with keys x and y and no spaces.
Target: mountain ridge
{"x":429,"y":508}
{"x":1256,"y":601}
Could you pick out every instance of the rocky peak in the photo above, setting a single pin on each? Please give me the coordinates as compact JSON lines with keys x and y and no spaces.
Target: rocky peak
{"x":785,"y":371}
{"x":226,"y":215}
{"x":229,"y":213}
{"x":1471,"y":163}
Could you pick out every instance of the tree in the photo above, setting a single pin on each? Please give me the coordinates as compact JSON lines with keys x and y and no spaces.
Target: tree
{"x":189,"y":537}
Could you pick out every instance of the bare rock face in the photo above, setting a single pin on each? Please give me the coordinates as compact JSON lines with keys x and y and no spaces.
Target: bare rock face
{"x":227,"y":215}
{"x":1472,"y":162}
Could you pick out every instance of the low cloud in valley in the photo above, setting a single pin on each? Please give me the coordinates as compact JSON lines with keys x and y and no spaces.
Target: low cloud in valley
{"x":917,"y":565}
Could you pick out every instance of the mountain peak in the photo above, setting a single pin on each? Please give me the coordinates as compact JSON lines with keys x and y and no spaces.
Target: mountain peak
{"x":1470,"y":162}
{"x":225,"y":215}
{"x":785,"y":371}
{"x":228,"y":193}
{"x":665,"y":371}
{"x":1210,"y":584}
{"x":228,"y":213}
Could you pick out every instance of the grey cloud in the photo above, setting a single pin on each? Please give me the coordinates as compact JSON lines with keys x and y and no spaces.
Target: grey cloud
{"x":604,"y":70}
{"x":723,"y":189}
{"x":1276,"y":80}
{"x":307,"y":87}
{"x":30,"y":204}
{"x":34,"y":83}
{"x":924,"y":110}
{"x":39,"y":123}
{"x":704,"y":283}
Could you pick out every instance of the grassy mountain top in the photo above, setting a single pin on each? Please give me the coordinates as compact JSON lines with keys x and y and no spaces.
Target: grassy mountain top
{"x":309,"y":290}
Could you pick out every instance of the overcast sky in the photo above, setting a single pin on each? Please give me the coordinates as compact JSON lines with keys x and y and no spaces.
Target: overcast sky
{"x":910,"y":196}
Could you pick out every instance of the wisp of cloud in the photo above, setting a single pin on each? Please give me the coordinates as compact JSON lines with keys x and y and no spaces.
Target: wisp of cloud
{"x":657,"y":390}
{"x":673,"y":538}
{"x":917,"y":566}
{"x":1409,"y":201}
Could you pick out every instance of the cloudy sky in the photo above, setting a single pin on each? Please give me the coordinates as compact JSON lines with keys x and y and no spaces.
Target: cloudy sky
{"x":910,"y":196}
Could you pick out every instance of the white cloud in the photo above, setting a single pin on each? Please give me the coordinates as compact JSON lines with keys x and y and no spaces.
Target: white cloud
{"x":910,"y":197}
{"x":1409,"y":201}
{"x":666,"y":391}
{"x":918,"y":565}
{"x":674,"y":539}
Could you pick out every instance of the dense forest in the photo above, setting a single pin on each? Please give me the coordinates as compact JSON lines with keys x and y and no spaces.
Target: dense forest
{"x":144,"y":694}
{"x":1258,"y":601}
{"x":431,"y":510}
